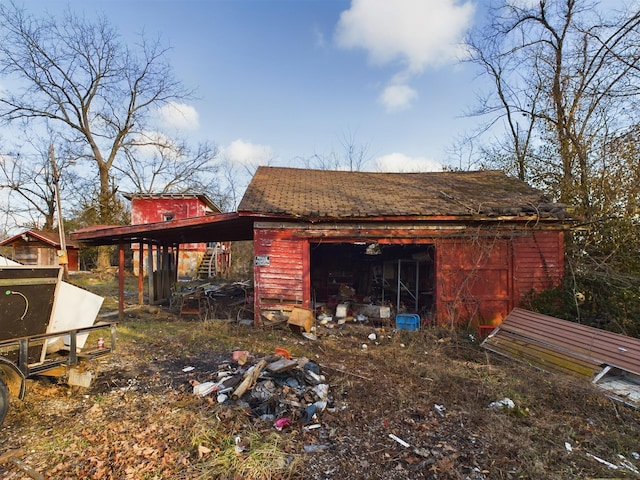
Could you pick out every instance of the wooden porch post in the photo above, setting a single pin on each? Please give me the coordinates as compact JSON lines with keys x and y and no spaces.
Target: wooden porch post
{"x":141,"y":274}
{"x":121,"y":280}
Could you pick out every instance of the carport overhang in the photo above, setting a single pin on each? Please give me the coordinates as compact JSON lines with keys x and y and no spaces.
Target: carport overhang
{"x":204,"y":229}
{"x":222,"y":227}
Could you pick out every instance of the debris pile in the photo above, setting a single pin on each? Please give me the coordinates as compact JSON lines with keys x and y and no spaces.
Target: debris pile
{"x":277,"y":388}
{"x":204,"y":299}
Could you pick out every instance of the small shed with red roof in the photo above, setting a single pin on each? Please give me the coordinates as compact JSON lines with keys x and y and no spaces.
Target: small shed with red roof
{"x":38,"y":247}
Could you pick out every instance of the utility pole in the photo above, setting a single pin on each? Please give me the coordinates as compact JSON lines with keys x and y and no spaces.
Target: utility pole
{"x":63,"y":259}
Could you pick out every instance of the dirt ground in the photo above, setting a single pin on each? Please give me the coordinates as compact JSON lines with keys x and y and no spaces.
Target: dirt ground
{"x":400,"y":405}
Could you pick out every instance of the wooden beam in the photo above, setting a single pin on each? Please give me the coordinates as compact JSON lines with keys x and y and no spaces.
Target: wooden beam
{"x":121,"y":280}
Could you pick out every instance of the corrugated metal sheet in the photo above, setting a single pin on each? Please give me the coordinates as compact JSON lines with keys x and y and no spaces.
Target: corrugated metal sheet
{"x":558,"y":345}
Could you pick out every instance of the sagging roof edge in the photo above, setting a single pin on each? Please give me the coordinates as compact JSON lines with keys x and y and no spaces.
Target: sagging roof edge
{"x":237,"y":226}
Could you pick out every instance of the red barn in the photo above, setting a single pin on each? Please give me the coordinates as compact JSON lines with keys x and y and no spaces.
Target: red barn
{"x":152,"y":208}
{"x":458,"y":248}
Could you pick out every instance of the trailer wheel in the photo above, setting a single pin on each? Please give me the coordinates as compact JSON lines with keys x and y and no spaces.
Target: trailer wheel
{"x":4,"y":400}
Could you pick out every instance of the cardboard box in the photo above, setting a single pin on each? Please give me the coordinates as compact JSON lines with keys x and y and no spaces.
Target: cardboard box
{"x":375,"y":311}
{"x":301,"y":318}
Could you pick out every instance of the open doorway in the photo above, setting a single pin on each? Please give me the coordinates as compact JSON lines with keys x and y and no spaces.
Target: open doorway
{"x":399,"y":276}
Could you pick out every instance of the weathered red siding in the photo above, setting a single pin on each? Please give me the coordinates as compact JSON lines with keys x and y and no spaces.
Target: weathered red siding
{"x":285,"y":280}
{"x":480,"y":276}
{"x":538,"y":262}
{"x":473,"y":280}
{"x":152,"y":210}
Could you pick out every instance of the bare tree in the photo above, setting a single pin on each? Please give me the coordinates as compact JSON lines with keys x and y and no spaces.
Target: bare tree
{"x":29,"y":181}
{"x":154,"y":168}
{"x":353,"y":156}
{"x":564,"y":77}
{"x":82,"y":80}
{"x":566,"y":89}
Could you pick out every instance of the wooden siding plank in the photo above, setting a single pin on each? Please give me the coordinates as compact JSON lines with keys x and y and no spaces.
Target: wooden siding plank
{"x":282,"y":281}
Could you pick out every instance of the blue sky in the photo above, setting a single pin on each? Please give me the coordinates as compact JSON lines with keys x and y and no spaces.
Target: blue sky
{"x":281,"y":80}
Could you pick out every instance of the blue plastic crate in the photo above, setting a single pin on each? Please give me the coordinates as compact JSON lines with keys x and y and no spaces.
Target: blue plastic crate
{"x":407,"y":321}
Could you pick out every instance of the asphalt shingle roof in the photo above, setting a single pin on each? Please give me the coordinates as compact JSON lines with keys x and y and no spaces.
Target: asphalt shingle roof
{"x":340,"y":194}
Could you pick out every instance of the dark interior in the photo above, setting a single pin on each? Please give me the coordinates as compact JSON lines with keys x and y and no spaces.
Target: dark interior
{"x":374,"y":274}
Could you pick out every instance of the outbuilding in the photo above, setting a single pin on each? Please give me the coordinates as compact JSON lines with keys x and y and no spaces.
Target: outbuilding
{"x":456,"y":248}
{"x":42,"y":248}
{"x":213,"y":257}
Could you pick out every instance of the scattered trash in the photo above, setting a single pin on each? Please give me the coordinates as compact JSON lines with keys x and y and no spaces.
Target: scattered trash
{"x":399,"y":440}
{"x":440,"y":409}
{"x":282,"y":423}
{"x":635,"y":455}
{"x":505,"y":403}
{"x":423,"y":452}
{"x":240,"y":356}
{"x":627,"y":464}
{"x":277,"y":389}
{"x":624,"y":463}
{"x":188,"y":369}
{"x":308,"y":414}
{"x":604,"y":462}
{"x":300,"y":319}
{"x":204,"y":389}
{"x":568,"y":446}
{"x":372,"y":336}
{"x":314,"y":448}
{"x":240,"y":445}
{"x":283,"y":353}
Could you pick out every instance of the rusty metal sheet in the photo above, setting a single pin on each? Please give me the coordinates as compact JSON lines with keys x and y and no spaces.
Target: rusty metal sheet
{"x":571,"y":342}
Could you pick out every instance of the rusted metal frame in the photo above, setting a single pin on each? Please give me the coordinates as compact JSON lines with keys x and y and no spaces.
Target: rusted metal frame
{"x":579,"y":342}
{"x":23,"y":356}
{"x":72,"y":360}
{"x":571,"y":349}
{"x":541,"y":354}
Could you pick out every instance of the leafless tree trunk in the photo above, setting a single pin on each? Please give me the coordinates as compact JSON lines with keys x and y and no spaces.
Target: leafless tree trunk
{"x":81,"y":80}
{"x":568,"y":75}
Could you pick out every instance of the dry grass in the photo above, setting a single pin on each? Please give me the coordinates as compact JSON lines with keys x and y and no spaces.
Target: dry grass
{"x":141,"y":421}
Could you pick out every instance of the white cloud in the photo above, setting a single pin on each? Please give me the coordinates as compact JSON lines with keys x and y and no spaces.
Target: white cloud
{"x":179,"y":115}
{"x":399,"y":162}
{"x":247,"y":153}
{"x":417,"y":33}
{"x":413,"y":34}
{"x":397,"y":97}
